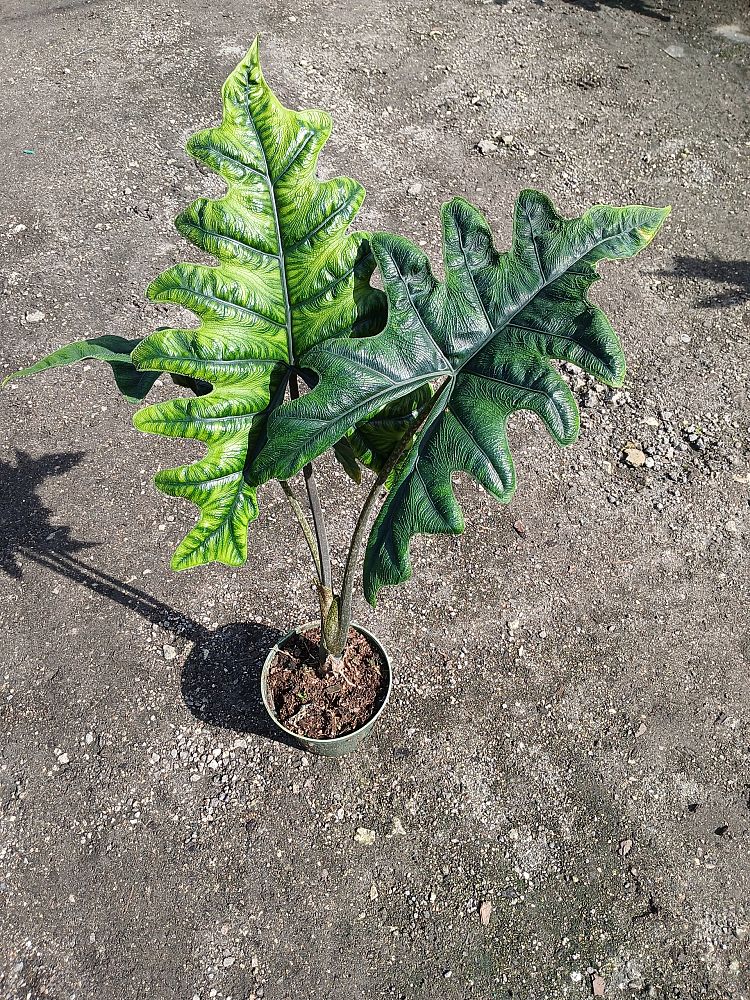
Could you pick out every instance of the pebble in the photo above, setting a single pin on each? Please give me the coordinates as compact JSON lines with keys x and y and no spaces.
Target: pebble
{"x":169,"y":652}
{"x":35,"y":316}
{"x":415,"y":188}
{"x":20,"y":228}
{"x":675,"y":51}
{"x":486,"y":146}
{"x":364,"y":836}
{"x":732,"y":33}
{"x":634,"y":457}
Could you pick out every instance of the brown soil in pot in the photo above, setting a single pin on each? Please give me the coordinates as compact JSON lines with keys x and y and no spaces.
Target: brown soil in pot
{"x":324,"y":706}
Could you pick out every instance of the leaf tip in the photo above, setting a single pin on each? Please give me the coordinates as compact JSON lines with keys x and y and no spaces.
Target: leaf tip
{"x":178,"y":562}
{"x":648,"y":231}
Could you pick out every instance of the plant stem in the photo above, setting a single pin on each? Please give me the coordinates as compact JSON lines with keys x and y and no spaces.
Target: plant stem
{"x":323,"y":562}
{"x":352,"y":557}
{"x":303,"y":523}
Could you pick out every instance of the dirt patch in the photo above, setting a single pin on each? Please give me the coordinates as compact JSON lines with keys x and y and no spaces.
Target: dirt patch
{"x":320,"y":704}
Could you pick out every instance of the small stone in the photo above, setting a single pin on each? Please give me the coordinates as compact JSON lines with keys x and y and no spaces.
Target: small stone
{"x":364,"y":837}
{"x":415,"y":188}
{"x":591,"y":399}
{"x":732,"y":33}
{"x":228,"y":962}
{"x":741,"y":931}
{"x":597,"y":985}
{"x":169,"y":652}
{"x":89,"y":739}
{"x":20,"y":228}
{"x":634,"y":457}
{"x":625,"y":847}
{"x":373,"y":892}
{"x":63,"y":759}
{"x":675,"y":51}
{"x":507,"y":140}
{"x":576,"y":977}
{"x":398,"y":828}
{"x":35,"y":316}
{"x":651,"y":421}
{"x":486,"y":146}
{"x":485,"y":912}
{"x":731,"y":528}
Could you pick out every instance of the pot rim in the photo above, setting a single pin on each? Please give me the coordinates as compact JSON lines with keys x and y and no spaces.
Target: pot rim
{"x":325,"y":740}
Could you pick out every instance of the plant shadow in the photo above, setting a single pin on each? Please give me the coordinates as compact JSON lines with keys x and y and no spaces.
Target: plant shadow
{"x":220,"y":677}
{"x":733,"y":274}
{"x":648,"y":8}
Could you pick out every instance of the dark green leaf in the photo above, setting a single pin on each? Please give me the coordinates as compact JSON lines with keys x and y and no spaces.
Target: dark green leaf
{"x":133,"y":384}
{"x":489,"y":333}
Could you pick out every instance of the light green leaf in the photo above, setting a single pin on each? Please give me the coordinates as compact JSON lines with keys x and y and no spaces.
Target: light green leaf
{"x":288,"y":277}
{"x":489,"y":333}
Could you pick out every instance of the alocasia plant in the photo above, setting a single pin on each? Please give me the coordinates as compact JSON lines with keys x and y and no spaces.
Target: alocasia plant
{"x":415,"y":399}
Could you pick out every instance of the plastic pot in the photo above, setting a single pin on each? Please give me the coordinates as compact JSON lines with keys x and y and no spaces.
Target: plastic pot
{"x":335,"y":746}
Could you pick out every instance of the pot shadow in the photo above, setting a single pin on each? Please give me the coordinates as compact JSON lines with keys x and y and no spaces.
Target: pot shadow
{"x":220,"y":677}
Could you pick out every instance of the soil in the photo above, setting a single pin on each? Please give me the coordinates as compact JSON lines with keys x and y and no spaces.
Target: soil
{"x":570,"y":727}
{"x":329,"y":702}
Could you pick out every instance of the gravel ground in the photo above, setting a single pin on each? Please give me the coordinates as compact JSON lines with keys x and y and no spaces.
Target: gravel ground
{"x":557,"y":802}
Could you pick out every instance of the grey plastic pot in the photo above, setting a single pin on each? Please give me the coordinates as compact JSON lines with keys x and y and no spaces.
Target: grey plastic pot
{"x":339,"y":745}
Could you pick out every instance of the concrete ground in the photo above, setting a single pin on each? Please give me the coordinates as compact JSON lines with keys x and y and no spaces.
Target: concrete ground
{"x":568,"y":738}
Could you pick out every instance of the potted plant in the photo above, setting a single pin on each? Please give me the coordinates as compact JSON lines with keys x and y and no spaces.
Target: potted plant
{"x":297,"y":352}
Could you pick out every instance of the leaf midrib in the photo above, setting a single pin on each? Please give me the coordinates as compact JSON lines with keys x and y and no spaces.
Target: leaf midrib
{"x":545,"y":284}
{"x":277,"y":226}
{"x":492,"y":333}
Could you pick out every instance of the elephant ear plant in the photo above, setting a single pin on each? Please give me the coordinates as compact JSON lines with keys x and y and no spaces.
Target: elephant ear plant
{"x":414,"y":384}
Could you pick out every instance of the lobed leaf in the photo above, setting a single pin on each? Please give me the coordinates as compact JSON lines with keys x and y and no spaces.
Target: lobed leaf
{"x":489,"y":332}
{"x":288,"y":277}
